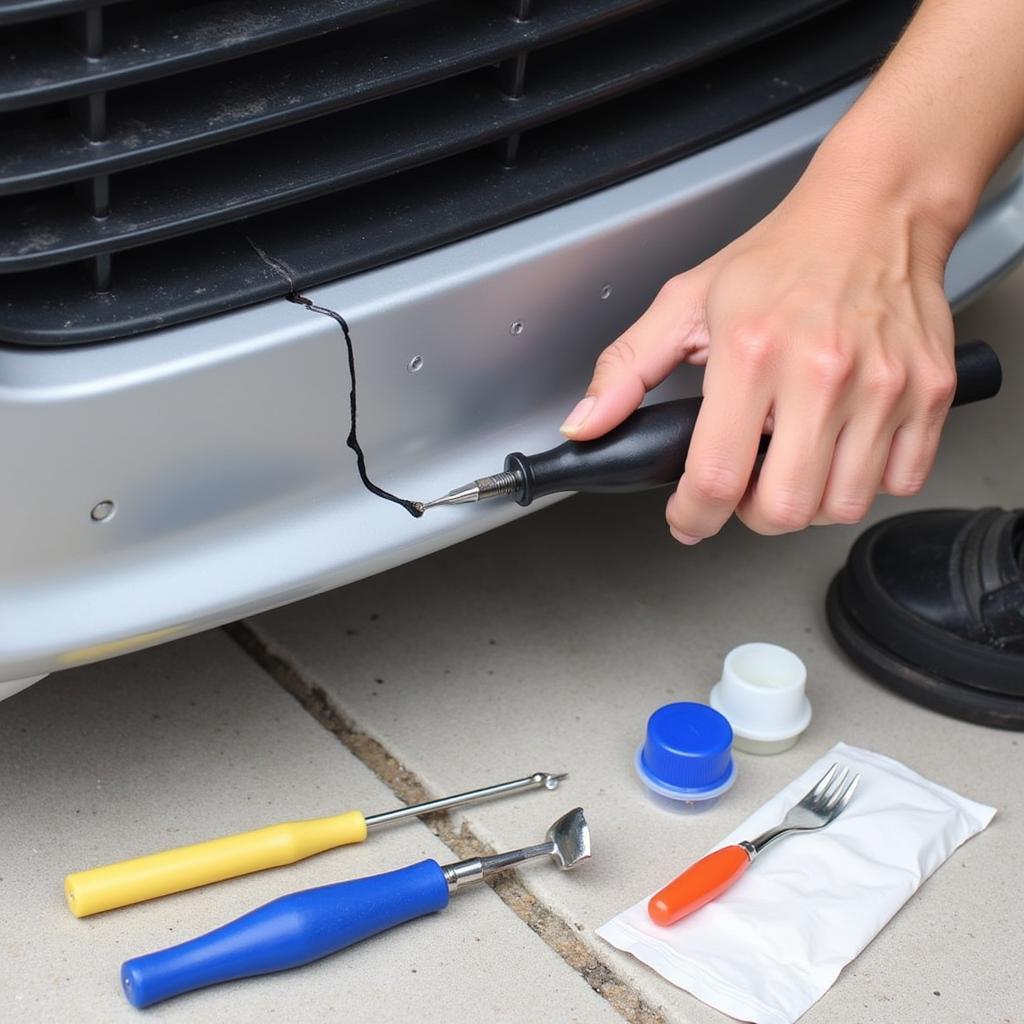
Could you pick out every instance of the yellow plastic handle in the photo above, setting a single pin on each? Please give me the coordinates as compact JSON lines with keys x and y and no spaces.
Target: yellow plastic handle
{"x":145,"y":878}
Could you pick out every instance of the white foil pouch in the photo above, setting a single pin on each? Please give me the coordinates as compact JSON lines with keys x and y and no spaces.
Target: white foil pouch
{"x":768,"y":948}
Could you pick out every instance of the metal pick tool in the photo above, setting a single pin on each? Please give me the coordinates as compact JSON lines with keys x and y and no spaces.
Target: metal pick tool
{"x":159,"y":874}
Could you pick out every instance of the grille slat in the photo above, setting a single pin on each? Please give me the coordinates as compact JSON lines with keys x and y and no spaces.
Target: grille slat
{"x":512,"y":83}
{"x":449,"y":117}
{"x":330,"y":154}
{"x":48,"y":67}
{"x":89,"y":114}
{"x":372,"y":63}
{"x":14,"y":11}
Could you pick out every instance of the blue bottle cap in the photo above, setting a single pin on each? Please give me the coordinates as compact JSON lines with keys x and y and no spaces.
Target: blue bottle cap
{"x":687,"y":752}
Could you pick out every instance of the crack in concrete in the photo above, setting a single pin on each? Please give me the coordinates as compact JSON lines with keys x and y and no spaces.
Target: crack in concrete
{"x":556,"y":932}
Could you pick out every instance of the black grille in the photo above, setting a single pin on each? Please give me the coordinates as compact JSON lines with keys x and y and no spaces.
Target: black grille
{"x":338,"y":135}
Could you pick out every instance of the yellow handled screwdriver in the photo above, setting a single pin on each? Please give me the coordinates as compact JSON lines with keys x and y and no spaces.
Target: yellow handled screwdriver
{"x":160,"y":874}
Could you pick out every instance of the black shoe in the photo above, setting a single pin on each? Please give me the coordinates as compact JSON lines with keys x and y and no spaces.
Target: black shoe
{"x":931,"y":604}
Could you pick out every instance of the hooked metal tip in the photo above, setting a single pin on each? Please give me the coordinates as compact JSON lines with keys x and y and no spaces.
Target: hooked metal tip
{"x":549,"y":780}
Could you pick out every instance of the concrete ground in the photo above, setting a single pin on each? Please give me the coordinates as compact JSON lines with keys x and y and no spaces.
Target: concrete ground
{"x":542,"y":646}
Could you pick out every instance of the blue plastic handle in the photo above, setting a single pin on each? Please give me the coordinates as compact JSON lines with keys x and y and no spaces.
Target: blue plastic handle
{"x":287,"y":932}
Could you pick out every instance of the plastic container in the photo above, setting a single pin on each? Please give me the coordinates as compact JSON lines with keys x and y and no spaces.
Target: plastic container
{"x":761,"y":692}
{"x":686,"y":759}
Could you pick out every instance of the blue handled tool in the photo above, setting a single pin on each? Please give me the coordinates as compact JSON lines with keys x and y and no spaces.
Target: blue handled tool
{"x":305,"y":926}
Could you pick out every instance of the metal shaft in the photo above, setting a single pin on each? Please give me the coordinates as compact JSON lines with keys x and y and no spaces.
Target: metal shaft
{"x":756,"y":846}
{"x":545,"y":779}
{"x":478,"y":868}
{"x":567,"y":843}
{"x":496,"y":486}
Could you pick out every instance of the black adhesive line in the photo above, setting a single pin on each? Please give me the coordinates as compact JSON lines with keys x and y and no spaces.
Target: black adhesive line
{"x":414,"y":508}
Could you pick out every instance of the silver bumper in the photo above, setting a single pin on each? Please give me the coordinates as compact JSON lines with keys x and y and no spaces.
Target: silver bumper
{"x":222,"y":443}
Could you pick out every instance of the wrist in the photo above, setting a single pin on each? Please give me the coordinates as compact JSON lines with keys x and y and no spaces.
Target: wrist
{"x":867,"y":164}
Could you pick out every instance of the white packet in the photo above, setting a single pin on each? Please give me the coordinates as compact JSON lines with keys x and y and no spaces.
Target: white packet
{"x":768,"y":948}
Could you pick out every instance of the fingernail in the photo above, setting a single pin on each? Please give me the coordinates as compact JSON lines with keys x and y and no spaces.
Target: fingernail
{"x":683,"y":538}
{"x":579,"y":415}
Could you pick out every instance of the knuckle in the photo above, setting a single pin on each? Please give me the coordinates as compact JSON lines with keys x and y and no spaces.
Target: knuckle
{"x":618,"y":356}
{"x":886,"y":380}
{"x":716,"y":483}
{"x":755,"y":343}
{"x":830,"y":367}
{"x":846,"y":509}
{"x":937,"y":386}
{"x":675,"y":289}
{"x":788,"y":511}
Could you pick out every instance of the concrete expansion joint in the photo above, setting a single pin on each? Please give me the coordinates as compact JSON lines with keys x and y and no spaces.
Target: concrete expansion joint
{"x":557,"y":933}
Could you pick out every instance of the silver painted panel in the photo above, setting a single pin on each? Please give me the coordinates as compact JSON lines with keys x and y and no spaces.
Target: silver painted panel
{"x":221,"y":443}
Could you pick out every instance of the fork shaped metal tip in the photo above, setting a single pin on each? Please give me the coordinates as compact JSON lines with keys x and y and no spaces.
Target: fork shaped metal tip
{"x":832,"y":791}
{"x":822,"y":804}
{"x":818,"y":789}
{"x":843,"y":798}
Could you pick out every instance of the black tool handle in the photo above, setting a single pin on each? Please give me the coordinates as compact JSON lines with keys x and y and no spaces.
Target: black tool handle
{"x":649,"y":449}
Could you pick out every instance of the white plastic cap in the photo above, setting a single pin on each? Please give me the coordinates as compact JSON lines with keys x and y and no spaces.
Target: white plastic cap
{"x":761,"y":692}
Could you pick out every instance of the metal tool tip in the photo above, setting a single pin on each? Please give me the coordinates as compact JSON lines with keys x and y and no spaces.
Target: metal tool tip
{"x":496,"y":486}
{"x":550,"y":780}
{"x":459,"y":496}
{"x":570,"y":839}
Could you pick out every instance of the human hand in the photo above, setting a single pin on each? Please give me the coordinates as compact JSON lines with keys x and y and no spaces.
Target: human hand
{"x":827,"y":326}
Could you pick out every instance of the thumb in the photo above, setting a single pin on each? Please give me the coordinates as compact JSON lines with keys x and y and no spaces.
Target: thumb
{"x":671,"y":329}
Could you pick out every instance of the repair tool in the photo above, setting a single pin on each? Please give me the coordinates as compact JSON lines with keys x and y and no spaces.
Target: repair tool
{"x":713,"y":874}
{"x":649,"y":448}
{"x":686,"y":758}
{"x":159,"y":874}
{"x":308,"y":925}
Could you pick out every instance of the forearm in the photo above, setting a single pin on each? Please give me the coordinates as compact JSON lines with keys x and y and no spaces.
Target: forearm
{"x":935,"y":122}
{"x":827,"y":323}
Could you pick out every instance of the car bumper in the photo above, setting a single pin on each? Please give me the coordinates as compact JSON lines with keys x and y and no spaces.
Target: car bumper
{"x":222,"y":442}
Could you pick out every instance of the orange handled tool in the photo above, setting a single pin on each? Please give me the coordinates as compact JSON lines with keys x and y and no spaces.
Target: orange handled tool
{"x":713,"y":874}
{"x":699,"y":884}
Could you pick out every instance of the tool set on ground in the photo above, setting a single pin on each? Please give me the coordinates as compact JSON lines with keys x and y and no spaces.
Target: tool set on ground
{"x":762,"y":948}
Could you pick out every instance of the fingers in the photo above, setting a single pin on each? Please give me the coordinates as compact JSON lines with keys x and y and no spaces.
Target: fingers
{"x":916,"y":442}
{"x":862,"y":449}
{"x":861,"y":453}
{"x":737,"y":401}
{"x":641,"y":358}
{"x":893,"y":418}
{"x":787,"y":492}
{"x":842,"y":431}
